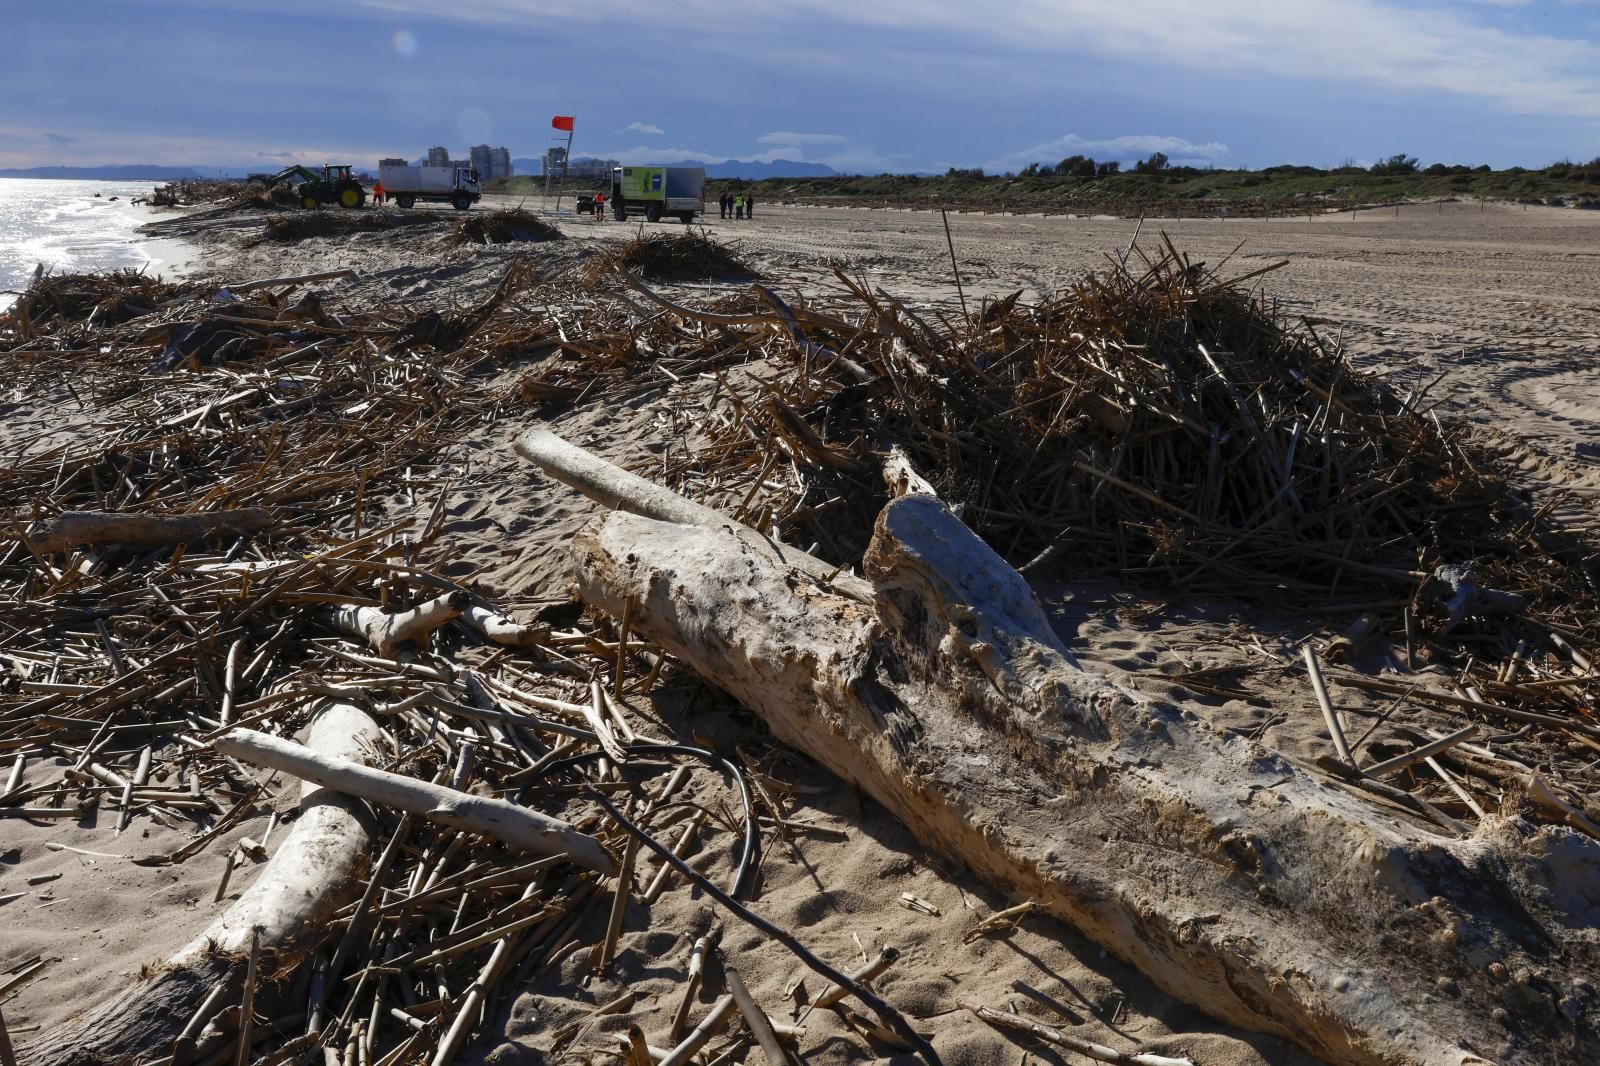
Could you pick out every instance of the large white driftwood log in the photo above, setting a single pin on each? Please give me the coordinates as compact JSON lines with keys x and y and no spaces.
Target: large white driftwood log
{"x":87,"y":529}
{"x":520,"y":827}
{"x":1231,"y":878}
{"x":312,"y":873}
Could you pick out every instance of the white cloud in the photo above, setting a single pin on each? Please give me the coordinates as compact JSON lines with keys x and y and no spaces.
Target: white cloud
{"x":1126,"y":147}
{"x":22,"y":146}
{"x":1383,"y":43}
{"x":644,"y":127}
{"x":801,"y":138}
{"x":645,"y":154}
{"x":1465,"y":49}
{"x":1365,"y":42}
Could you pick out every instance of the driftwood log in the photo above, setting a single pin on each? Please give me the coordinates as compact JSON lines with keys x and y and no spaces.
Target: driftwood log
{"x":385,"y":631}
{"x":87,"y":529}
{"x":496,"y":626}
{"x":1232,"y":878}
{"x":499,"y":819}
{"x":478,"y":613}
{"x":1451,"y":594}
{"x":310,"y":875}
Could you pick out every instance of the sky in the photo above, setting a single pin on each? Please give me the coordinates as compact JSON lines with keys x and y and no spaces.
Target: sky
{"x":864,"y":87}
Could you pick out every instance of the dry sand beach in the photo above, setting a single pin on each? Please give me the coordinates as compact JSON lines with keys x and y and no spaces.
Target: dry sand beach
{"x":1498,"y":302}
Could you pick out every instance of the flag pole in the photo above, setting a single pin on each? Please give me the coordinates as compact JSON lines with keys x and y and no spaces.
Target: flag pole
{"x":567,"y":123}
{"x":566,"y":163}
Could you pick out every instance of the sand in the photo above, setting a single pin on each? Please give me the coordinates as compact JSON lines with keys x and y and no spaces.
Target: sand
{"x":1502,"y":299}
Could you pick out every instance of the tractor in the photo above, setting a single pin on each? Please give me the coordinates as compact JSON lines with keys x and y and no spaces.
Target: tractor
{"x":335,"y":185}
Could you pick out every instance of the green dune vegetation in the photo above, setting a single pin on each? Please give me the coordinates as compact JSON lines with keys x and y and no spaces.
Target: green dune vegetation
{"x":1082,"y":184}
{"x":1079,"y":184}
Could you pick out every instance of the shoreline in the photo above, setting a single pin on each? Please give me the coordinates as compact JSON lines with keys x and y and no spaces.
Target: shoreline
{"x":176,"y":256}
{"x":78,"y":230}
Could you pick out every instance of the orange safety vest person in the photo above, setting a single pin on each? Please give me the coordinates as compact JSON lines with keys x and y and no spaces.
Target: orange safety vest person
{"x":377,"y":191}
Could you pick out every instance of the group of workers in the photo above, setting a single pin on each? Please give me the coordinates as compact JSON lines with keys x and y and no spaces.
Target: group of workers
{"x":737,"y":205}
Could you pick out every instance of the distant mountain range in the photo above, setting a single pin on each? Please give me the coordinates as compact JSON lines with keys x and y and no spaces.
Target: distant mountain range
{"x":750,"y":170}
{"x":120,"y":172}
{"x":743,"y":169}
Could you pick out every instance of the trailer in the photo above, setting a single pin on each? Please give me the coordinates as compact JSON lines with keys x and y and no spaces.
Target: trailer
{"x":658,"y":191}
{"x":457,"y":186}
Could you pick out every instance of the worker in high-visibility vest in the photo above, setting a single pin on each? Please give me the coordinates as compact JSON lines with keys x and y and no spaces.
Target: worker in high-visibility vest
{"x":377,"y":194}
{"x":599,"y":207}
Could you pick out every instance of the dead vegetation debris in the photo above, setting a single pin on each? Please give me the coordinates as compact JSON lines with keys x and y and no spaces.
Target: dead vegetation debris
{"x":676,"y":257}
{"x":504,"y":227}
{"x":92,"y":300}
{"x":303,"y":225}
{"x":193,"y":192}
{"x":1157,"y":421}
{"x":240,"y":551}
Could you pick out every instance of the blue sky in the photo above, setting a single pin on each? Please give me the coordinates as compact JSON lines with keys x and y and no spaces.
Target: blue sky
{"x":862,"y":86}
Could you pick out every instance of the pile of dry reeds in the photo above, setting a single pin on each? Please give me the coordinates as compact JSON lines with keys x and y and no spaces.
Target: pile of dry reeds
{"x":502,"y":227}
{"x":1155,"y":421}
{"x":188,"y":192}
{"x":254,"y":198}
{"x":303,"y":225}
{"x":676,"y":257}
{"x":124,"y":661}
{"x":93,"y":300}
{"x":129,"y":665}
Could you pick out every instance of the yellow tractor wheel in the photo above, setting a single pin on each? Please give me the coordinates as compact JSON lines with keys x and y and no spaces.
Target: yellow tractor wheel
{"x":350,"y":197}
{"x":308,"y":202}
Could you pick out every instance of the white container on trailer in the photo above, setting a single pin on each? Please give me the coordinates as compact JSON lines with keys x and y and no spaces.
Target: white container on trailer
{"x":405,"y":185}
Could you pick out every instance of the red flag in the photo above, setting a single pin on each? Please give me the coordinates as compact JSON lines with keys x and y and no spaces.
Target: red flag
{"x":562,"y":122}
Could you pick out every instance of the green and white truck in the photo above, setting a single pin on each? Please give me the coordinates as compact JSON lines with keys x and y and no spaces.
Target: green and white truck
{"x":658,"y":191}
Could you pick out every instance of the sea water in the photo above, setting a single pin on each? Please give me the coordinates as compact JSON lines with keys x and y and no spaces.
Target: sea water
{"x":65,"y":226}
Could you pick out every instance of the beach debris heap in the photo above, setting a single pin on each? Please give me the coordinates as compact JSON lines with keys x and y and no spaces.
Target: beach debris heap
{"x":674,"y":257}
{"x":238,"y":572}
{"x":239,"y":550}
{"x":503,"y":227}
{"x":1155,"y":420}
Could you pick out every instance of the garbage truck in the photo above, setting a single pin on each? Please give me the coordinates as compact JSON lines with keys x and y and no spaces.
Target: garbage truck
{"x":405,"y":185}
{"x":658,"y":191}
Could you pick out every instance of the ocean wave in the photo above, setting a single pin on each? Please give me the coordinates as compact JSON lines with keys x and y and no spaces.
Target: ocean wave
{"x":65,"y":227}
